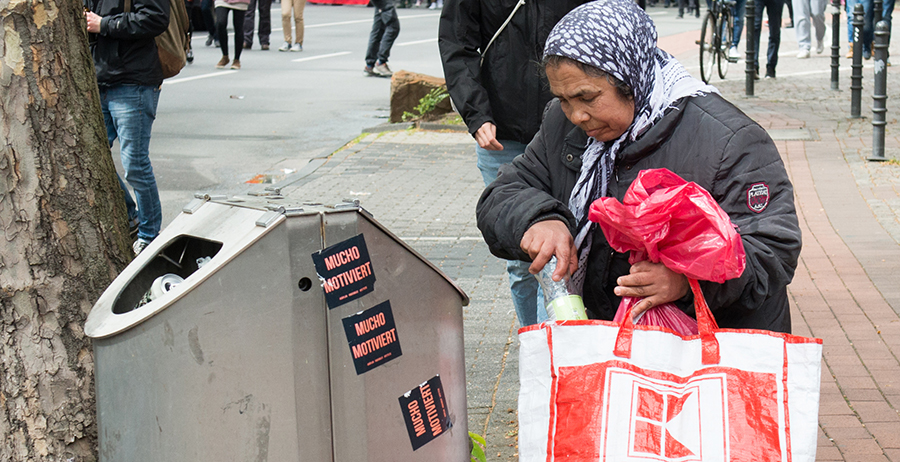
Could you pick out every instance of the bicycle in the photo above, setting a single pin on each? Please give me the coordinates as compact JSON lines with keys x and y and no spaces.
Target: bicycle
{"x":715,"y":39}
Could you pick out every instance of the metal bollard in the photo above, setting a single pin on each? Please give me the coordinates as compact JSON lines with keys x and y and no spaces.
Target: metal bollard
{"x":835,"y":43}
{"x":856,"y":67}
{"x":749,"y":19}
{"x":879,"y":97}
{"x":877,"y":9}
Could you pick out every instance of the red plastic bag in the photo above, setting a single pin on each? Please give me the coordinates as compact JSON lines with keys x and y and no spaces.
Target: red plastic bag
{"x":666,"y":315}
{"x":663,"y":218}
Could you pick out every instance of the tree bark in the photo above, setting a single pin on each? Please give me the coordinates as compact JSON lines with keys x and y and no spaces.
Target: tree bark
{"x":64,"y":230}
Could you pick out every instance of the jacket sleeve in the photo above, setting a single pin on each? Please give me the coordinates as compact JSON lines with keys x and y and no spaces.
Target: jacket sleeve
{"x":147,"y":19}
{"x":459,"y":40}
{"x":517,"y":199}
{"x":767,"y":221}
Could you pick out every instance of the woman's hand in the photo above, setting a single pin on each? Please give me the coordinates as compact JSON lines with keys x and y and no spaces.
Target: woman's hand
{"x":545,"y":239}
{"x":486,"y":136}
{"x":654,"y":282}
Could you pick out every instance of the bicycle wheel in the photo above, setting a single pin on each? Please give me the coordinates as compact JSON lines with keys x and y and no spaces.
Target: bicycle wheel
{"x":707,"y":47}
{"x":726,"y":26}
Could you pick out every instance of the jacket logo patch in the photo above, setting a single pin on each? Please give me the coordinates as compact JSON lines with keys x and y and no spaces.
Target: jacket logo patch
{"x":758,"y":197}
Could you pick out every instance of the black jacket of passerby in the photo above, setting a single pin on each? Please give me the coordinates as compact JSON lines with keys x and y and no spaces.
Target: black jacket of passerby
{"x":125,"y":50}
{"x":705,"y":140}
{"x":509,"y":89}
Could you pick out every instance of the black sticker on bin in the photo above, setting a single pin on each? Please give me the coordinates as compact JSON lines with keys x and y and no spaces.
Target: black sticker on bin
{"x":425,"y":411}
{"x":345,"y":271}
{"x":372,"y":335}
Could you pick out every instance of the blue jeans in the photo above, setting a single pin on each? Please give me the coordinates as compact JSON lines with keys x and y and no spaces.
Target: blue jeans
{"x":526,"y":292}
{"x":129,"y":111}
{"x":739,"y":11}
{"x":868,"y":30}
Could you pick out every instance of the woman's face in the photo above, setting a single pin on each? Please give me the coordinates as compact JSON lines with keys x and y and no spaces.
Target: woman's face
{"x":592,"y":103}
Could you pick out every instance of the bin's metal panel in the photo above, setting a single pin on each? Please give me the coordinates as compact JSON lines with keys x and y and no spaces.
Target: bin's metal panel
{"x":367,"y":418}
{"x":210,"y":378}
{"x":312,"y":390}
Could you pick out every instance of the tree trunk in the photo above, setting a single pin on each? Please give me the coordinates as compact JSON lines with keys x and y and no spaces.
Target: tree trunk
{"x":64,"y":230}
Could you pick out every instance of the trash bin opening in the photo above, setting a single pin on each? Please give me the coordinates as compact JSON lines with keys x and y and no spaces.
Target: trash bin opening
{"x":180,"y":258}
{"x":304,"y":284}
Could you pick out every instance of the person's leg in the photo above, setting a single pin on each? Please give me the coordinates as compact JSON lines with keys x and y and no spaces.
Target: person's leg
{"x":265,"y":21}
{"x":774,"y":8}
{"x":817,"y":17}
{"x":868,"y":33}
{"x":299,"y":5}
{"x":130,"y":206}
{"x":133,"y":108}
{"x":760,"y":7}
{"x":286,"y":20}
{"x":790,"y":7}
{"x":206,"y":10}
{"x":374,"y":39}
{"x":391,"y":31}
{"x":802,"y":23}
{"x":249,"y":22}
{"x":682,"y":5}
{"x":222,"y":28}
{"x":527,"y":297}
{"x":739,"y":10}
{"x":237,"y":21}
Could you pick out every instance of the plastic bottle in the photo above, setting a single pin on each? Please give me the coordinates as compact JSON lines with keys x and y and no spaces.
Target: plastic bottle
{"x":561,"y":305}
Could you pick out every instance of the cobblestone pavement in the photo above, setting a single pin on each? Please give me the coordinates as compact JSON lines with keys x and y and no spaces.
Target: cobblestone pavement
{"x":423,"y":186}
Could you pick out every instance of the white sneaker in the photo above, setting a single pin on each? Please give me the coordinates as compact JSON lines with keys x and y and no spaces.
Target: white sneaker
{"x":803,"y":54}
{"x":285,"y":47}
{"x":297,"y":47}
{"x":139,"y":246}
{"x":733,"y":53}
{"x":820,"y":47}
{"x":382,"y":70}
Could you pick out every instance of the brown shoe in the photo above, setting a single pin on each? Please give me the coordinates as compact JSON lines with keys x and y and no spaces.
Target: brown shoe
{"x":236,"y":64}
{"x":850,"y":51}
{"x":264,"y":46}
{"x":222,"y":62}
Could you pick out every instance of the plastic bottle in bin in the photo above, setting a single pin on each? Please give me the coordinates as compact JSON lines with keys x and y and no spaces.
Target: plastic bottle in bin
{"x":561,"y":305}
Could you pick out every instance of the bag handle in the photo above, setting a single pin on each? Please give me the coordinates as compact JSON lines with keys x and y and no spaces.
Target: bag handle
{"x":706,"y":325}
{"x":503,"y":26}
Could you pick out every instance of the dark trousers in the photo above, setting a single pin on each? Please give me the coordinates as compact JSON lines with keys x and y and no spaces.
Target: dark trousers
{"x":385,"y":28}
{"x":774,"y":9}
{"x":687,"y":5}
{"x":265,"y":21}
{"x":206,"y":10}
{"x":237,"y":21}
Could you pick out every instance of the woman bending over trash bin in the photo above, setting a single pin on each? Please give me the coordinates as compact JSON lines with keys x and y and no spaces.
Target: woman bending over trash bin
{"x":623,"y":105}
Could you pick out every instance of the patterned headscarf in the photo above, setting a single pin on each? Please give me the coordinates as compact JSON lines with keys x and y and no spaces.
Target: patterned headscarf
{"x":618,"y":38}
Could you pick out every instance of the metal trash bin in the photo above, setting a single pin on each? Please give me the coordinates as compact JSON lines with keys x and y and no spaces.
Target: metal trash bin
{"x":299,"y":333}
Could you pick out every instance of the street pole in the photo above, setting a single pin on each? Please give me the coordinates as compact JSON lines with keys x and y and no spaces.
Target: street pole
{"x":879,"y":103}
{"x":835,"y":43}
{"x":750,"y":69}
{"x":877,"y":9}
{"x":856,"y":67}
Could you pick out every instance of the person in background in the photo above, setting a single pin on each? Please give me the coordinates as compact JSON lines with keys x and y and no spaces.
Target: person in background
{"x":265,"y":23}
{"x":237,"y":9}
{"x":500,"y":92}
{"x":129,"y":77}
{"x":623,"y":106}
{"x":385,"y":29}
{"x":809,"y":10}
{"x":774,"y":8}
{"x":292,"y":9}
{"x":206,"y":10}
